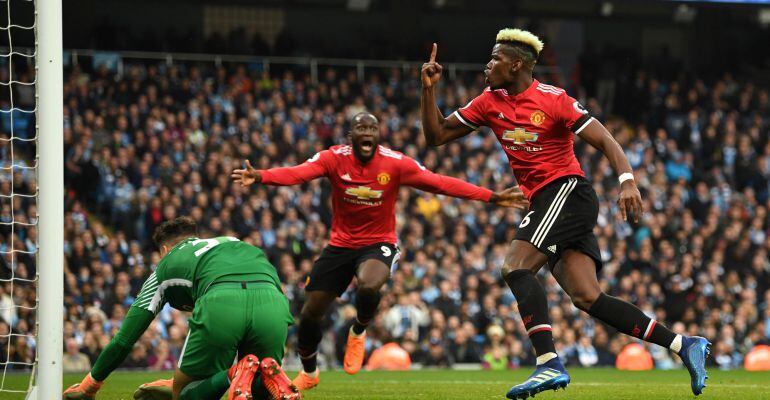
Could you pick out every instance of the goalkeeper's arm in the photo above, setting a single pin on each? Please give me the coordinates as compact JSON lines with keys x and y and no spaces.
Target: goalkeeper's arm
{"x":136,"y":322}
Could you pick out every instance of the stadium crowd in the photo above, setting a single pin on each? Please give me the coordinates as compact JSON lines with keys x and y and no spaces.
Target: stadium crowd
{"x":160,"y":141}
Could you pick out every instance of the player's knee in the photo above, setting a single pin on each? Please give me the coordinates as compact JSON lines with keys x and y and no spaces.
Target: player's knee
{"x":310,"y":315}
{"x":584,"y":299}
{"x":369,"y":288}
{"x":516,"y":264}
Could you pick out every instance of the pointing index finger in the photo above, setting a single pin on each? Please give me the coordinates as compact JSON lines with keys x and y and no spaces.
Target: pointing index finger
{"x":433,"y":53}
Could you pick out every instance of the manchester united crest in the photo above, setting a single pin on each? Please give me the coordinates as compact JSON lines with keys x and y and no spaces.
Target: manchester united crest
{"x":537,"y":117}
{"x":383,"y":178}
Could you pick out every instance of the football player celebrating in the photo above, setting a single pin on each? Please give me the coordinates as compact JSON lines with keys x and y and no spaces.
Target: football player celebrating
{"x":535,"y":124}
{"x":366,"y":178}
{"x":237,"y":308}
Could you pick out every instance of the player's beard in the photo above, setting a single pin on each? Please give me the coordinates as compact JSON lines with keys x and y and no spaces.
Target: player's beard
{"x":359,"y":154}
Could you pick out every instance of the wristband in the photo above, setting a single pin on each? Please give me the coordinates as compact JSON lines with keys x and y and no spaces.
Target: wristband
{"x":625,"y":176}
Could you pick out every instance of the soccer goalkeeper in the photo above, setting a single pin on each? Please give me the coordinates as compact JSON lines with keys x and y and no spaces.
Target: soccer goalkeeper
{"x":237,"y":308}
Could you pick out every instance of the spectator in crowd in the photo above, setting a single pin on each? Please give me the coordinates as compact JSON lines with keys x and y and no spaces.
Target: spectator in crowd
{"x":437,"y":356}
{"x":161,"y":359}
{"x":409,"y":315}
{"x":464,"y":350}
{"x":137,"y":359}
{"x":74,"y":360}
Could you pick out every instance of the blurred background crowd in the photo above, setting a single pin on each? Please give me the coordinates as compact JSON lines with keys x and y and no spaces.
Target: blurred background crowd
{"x":160,"y":141}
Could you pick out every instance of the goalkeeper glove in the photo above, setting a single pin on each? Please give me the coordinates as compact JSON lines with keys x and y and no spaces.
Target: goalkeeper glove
{"x":158,"y":390}
{"x":85,"y":390}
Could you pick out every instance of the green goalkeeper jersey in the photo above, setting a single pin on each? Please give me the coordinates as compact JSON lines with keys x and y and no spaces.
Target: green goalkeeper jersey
{"x":182,"y":277}
{"x":190,"y":267}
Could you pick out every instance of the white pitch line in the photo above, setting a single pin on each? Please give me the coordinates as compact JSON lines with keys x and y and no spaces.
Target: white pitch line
{"x":478,"y":382}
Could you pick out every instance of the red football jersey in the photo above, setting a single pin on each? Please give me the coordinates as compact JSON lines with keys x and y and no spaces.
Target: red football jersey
{"x":364,"y":195}
{"x":535,"y":128}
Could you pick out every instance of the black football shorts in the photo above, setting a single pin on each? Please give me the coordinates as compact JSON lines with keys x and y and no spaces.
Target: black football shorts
{"x":335,"y":268}
{"x":562,"y":216}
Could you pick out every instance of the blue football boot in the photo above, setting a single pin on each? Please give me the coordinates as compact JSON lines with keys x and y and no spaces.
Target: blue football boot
{"x":694,"y":352}
{"x":548,"y":376}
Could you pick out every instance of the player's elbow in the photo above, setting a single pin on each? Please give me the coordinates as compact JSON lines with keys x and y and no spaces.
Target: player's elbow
{"x":431,"y":136}
{"x":437,"y":138}
{"x":433,"y":142}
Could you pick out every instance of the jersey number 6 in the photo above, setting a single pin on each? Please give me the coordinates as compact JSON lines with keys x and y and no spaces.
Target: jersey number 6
{"x":525,"y":221}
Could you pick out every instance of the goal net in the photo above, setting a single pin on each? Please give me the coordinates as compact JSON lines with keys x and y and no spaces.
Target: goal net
{"x":31,"y":199}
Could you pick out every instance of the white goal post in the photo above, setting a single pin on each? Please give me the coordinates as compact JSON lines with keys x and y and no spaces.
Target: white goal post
{"x":48,"y":40}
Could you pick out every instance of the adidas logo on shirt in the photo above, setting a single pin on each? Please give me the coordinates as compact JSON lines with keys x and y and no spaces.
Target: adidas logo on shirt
{"x":552,"y":249}
{"x":501,"y":116}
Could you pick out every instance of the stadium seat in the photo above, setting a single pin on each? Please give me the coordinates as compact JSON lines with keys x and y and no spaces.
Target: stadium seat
{"x":758,"y":359}
{"x":634,"y":357}
{"x":390,"y":357}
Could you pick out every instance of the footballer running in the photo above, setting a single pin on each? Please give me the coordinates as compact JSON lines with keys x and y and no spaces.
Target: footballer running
{"x":535,"y":123}
{"x":365,"y":178}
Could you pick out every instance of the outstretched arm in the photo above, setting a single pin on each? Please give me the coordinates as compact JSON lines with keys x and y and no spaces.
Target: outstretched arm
{"x":415,"y":175}
{"x":437,"y":129}
{"x":598,"y":136}
{"x":137,"y":320}
{"x":285,"y":176}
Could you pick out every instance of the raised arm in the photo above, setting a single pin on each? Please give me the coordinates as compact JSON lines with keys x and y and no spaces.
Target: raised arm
{"x":598,"y":136}
{"x":415,"y":175}
{"x":437,"y":129}
{"x":285,"y":176}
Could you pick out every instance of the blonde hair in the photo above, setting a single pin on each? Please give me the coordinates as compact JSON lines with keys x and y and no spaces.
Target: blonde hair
{"x":520,"y":36}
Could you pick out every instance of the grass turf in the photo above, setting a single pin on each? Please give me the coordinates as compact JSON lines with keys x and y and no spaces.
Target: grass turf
{"x":587,"y":384}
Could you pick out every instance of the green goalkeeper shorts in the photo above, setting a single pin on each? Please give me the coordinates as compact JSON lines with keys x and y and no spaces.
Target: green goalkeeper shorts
{"x":231,"y":320}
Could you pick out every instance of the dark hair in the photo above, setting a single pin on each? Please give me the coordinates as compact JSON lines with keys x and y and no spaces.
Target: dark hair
{"x":181,"y":227}
{"x":522,"y":51}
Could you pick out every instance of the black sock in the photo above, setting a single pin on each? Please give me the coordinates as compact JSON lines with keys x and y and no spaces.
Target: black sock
{"x":533,"y":307}
{"x":629,"y":319}
{"x":309,"y":335}
{"x":367,"y":302}
{"x":358,"y":328}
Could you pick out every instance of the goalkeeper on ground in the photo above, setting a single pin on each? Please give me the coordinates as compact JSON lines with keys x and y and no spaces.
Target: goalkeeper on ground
{"x":237,"y":309}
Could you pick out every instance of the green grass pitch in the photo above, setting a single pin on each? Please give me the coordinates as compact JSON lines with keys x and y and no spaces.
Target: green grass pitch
{"x":587,"y":384}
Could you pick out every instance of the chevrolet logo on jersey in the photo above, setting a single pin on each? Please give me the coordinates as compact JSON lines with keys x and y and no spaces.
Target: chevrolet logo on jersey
{"x":520,"y":136}
{"x":364,"y":193}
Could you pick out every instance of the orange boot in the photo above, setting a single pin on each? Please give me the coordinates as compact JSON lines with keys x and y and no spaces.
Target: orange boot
{"x":303,"y":381}
{"x":354,"y":352}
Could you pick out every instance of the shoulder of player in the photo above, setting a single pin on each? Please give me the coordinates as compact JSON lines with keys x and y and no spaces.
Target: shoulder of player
{"x":340,"y":150}
{"x":488,"y":95}
{"x":163,"y":269}
{"x":549,"y":90}
{"x":333,"y":157}
{"x":390,"y":153}
{"x":552,"y":98}
{"x":179,"y":253}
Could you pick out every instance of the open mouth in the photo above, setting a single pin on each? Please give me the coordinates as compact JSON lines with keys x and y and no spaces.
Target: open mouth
{"x":367,"y":145}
